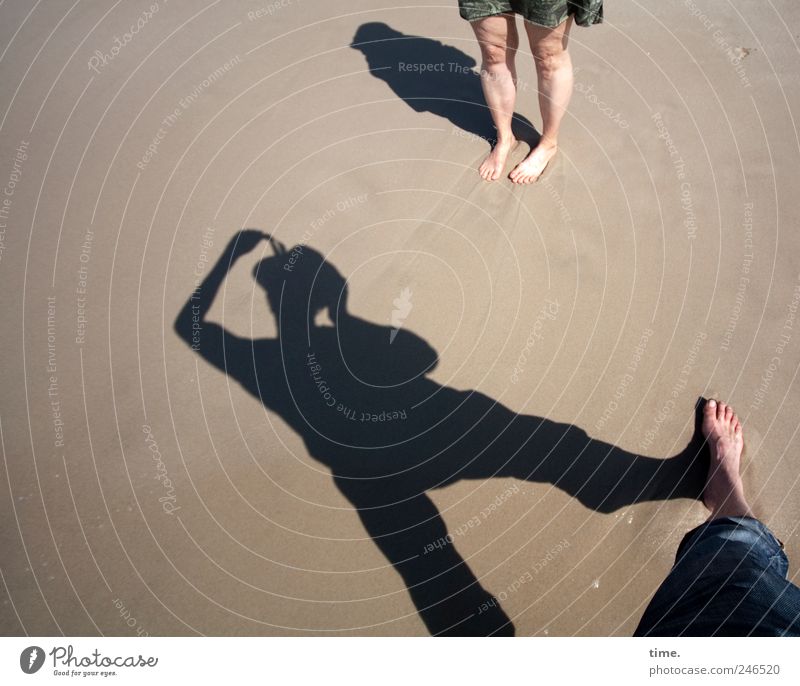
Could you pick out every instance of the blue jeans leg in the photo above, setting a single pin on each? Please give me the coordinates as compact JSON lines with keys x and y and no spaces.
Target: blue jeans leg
{"x":729,"y":579}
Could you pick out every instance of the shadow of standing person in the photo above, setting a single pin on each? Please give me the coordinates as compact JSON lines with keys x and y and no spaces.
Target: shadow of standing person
{"x":433,"y":77}
{"x":361,"y":397}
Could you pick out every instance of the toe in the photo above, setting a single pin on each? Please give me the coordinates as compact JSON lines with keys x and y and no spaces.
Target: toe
{"x":720,"y":410}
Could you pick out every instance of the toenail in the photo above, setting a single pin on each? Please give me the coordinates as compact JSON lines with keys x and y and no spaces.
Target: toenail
{"x":712,"y":403}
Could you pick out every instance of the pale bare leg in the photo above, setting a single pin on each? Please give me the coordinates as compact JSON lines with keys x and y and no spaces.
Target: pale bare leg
{"x":498,"y":38}
{"x":724,"y":492}
{"x":554,"y":72}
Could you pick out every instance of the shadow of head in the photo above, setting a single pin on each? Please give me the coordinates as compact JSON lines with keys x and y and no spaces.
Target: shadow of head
{"x":412,"y":56}
{"x":300,"y":284}
{"x":430,"y":76}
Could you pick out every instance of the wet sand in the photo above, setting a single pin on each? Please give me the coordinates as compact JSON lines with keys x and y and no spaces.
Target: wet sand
{"x":147,"y":491}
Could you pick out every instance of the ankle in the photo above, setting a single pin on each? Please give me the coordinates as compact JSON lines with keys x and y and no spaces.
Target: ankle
{"x":732,"y":504}
{"x":736,"y":509}
{"x":547,"y":142}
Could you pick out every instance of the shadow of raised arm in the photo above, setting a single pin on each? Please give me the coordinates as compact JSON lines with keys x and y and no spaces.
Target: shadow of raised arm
{"x":208,"y":339}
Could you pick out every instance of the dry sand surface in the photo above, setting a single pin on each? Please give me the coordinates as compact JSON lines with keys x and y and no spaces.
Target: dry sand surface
{"x":486,"y":360}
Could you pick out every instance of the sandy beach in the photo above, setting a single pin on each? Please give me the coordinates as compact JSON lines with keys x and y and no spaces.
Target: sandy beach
{"x":429,"y":402}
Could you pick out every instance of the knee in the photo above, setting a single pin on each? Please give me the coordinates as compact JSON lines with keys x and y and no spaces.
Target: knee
{"x":495,"y":56}
{"x":550,"y":60}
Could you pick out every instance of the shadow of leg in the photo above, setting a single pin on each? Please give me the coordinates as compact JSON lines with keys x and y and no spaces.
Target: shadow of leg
{"x":413,"y":537}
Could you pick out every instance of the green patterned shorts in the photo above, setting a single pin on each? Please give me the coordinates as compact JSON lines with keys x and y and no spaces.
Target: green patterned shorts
{"x":549,"y":13}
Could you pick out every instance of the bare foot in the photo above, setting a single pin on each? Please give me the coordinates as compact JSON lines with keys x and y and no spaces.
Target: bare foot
{"x":531,"y":168}
{"x":724,"y":492}
{"x":492,"y":167}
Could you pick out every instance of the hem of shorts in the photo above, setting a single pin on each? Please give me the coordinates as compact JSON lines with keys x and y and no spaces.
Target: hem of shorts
{"x":488,"y":14}
{"x":591,"y":22}
{"x":761,"y":530}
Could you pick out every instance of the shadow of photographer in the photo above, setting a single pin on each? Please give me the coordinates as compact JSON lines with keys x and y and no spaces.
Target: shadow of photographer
{"x":361,"y":397}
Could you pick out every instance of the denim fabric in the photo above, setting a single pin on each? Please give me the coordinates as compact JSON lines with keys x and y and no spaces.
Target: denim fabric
{"x":729,"y":579}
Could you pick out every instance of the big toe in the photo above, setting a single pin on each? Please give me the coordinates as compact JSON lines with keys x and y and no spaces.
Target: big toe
{"x":710,"y":411}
